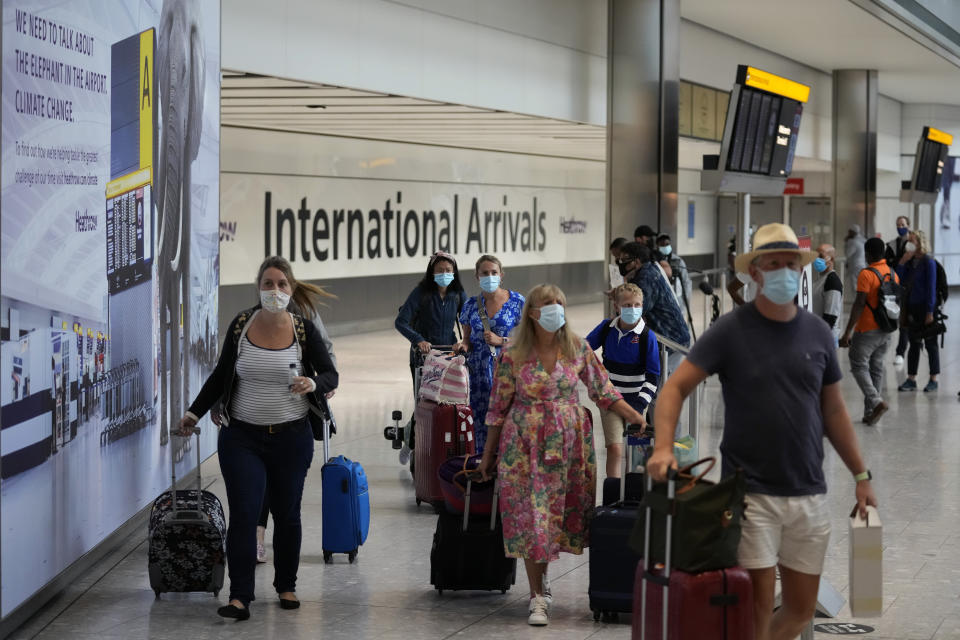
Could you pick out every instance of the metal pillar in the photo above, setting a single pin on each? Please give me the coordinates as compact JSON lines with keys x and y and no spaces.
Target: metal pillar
{"x":643,"y":71}
{"x":743,"y":223}
{"x":854,"y":151}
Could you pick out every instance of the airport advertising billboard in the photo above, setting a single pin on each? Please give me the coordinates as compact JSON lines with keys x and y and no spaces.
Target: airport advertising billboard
{"x":946,"y":220}
{"x":110,"y":265}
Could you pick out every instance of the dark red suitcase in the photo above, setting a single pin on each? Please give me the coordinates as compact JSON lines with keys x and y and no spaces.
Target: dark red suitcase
{"x":441,"y":432}
{"x":713,"y":604}
{"x":676,"y":605}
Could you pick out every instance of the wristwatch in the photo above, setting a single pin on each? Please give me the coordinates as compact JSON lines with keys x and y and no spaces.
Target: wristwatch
{"x":864,"y":475}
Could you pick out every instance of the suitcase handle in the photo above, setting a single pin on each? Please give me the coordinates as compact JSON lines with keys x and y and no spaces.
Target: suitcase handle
{"x":664,"y":580}
{"x":173,"y":479}
{"x":476,"y":475}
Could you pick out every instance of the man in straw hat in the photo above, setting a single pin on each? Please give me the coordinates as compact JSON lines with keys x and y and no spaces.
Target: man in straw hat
{"x":780,"y":378}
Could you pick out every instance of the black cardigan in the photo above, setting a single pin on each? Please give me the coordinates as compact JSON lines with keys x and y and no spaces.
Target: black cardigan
{"x":219,"y":386}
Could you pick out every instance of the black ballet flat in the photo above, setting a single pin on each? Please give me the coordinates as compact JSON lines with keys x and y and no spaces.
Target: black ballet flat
{"x":232,"y":611}
{"x":289,"y":604}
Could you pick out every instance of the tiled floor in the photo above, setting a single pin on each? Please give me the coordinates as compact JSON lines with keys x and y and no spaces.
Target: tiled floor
{"x":914,"y":453}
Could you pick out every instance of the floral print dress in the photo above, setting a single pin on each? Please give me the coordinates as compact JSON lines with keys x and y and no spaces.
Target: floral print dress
{"x":547,"y":465}
{"x":480,"y":359}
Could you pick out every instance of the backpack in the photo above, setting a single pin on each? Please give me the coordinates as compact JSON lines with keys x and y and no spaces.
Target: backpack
{"x":643,"y":340}
{"x":943,"y":289}
{"x":887,"y":312}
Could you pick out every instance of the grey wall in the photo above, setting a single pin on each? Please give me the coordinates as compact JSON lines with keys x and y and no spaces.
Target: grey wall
{"x":370,"y":304}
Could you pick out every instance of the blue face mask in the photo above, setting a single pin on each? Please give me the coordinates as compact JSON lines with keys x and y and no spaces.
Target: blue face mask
{"x":489,"y":284}
{"x":820,"y":265}
{"x":443,"y":279}
{"x":781,"y":286}
{"x":666,"y":250}
{"x":630,"y":315}
{"x":902,"y":231}
{"x":551,"y":317}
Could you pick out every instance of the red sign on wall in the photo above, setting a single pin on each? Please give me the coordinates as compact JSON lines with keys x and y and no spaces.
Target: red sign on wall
{"x":794,"y":187}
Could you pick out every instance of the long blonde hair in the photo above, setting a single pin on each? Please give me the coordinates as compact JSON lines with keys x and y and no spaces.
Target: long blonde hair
{"x":525,"y":336}
{"x":921,"y":241}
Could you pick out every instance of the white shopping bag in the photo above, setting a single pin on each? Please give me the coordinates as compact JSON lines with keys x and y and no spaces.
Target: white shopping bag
{"x":866,"y":564}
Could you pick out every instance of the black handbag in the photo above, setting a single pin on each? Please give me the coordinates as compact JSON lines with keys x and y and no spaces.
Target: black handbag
{"x":706,"y":520}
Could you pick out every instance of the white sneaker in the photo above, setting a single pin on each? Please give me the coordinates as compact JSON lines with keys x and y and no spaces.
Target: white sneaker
{"x":404,"y":454}
{"x":538,"y":611}
{"x":546,"y":595}
{"x":898,"y":361}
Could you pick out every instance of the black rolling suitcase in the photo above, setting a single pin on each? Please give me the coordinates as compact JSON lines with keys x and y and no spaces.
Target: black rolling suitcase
{"x":613,"y":562}
{"x":187,"y":538}
{"x":468,"y":552}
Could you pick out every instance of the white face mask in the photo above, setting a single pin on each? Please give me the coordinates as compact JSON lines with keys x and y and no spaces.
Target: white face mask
{"x":273,"y":300}
{"x":910,"y":247}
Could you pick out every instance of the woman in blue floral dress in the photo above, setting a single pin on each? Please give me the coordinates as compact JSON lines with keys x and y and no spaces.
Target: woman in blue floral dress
{"x":503,"y":309}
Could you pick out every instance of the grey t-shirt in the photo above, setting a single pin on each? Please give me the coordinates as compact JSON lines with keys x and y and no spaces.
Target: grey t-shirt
{"x":772,"y":374}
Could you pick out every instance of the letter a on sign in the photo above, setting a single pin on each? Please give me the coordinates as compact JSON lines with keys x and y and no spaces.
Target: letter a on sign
{"x":147,"y":51}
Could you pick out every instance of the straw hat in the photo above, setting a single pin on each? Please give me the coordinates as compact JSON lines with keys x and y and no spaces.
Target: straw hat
{"x":772,"y":238}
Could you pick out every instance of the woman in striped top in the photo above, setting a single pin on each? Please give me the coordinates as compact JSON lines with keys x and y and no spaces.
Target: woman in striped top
{"x":264,"y":380}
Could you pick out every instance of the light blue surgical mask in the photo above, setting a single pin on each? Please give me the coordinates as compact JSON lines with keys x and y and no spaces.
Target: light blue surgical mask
{"x":666,"y":250}
{"x":551,"y":317}
{"x":490,"y":283}
{"x":630,"y":315}
{"x":781,"y":285}
{"x":443,"y":279}
{"x":820,"y":265}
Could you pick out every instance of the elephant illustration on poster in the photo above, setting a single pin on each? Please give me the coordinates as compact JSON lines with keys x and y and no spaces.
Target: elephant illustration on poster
{"x":180,"y":67}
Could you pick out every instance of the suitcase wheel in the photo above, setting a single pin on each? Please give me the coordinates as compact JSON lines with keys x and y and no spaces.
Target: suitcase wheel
{"x":352,"y":556}
{"x":216,"y":593}
{"x":418,"y":502}
{"x":156,"y":593}
{"x":503,"y":591}
{"x":327,"y":557}
{"x":440,"y":592}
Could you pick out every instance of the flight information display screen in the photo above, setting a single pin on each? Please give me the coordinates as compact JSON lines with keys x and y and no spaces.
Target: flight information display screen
{"x":129,"y":241}
{"x":931,"y":153}
{"x":766,"y":122}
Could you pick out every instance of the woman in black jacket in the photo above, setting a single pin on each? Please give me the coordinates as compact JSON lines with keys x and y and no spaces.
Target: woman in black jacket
{"x":268,"y":375}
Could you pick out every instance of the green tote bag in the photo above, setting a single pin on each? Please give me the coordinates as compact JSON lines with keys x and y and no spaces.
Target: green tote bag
{"x":706,"y":520}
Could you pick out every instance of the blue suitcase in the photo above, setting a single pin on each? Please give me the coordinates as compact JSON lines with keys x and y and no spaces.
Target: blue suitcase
{"x":346,"y":507}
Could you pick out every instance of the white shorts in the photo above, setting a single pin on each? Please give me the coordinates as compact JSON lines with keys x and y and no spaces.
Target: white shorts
{"x":792,"y":531}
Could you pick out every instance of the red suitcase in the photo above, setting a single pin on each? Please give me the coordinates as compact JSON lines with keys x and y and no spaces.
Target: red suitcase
{"x":676,"y":605}
{"x":441,"y":432}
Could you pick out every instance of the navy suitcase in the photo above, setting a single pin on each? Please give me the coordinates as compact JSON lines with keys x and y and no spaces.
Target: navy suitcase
{"x":613,"y":562}
{"x":186,"y":539}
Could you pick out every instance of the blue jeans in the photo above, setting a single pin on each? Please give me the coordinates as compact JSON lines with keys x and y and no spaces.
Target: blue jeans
{"x":253,"y":461}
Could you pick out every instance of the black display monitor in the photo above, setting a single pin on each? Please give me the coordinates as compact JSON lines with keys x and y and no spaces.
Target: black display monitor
{"x":931,"y":153}
{"x":763,"y":121}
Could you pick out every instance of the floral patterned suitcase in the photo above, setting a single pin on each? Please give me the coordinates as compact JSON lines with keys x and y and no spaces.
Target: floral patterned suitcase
{"x":187,"y":540}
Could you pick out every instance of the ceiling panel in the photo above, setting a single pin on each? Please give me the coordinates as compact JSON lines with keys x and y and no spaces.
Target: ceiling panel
{"x":271,"y":103}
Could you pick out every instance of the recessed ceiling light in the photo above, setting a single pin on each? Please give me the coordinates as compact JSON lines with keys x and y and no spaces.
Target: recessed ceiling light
{"x":316,"y":106}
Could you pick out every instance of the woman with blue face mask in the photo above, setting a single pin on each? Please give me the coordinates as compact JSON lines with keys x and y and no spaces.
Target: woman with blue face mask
{"x":544,"y":439}
{"x":487,"y":322}
{"x":429,"y":314}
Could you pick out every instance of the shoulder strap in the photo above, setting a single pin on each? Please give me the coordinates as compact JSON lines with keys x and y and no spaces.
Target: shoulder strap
{"x":644,"y":339}
{"x":482,"y":311}
{"x":243,"y":324}
{"x":605,"y":332}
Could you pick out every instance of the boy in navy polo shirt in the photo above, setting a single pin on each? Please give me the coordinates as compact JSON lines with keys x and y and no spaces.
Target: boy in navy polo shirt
{"x":632,"y":358}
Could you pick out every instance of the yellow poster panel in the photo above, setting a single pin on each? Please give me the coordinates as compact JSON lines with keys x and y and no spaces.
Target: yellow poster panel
{"x":704,"y":113}
{"x":685,"y":106}
{"x":146,"y":99}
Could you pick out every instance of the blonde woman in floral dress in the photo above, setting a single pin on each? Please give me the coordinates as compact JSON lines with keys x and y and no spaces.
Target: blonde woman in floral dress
{"x":544,"y":437}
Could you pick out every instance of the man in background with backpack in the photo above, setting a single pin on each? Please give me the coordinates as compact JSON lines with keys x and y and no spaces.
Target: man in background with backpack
{"x":871,"y":323}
